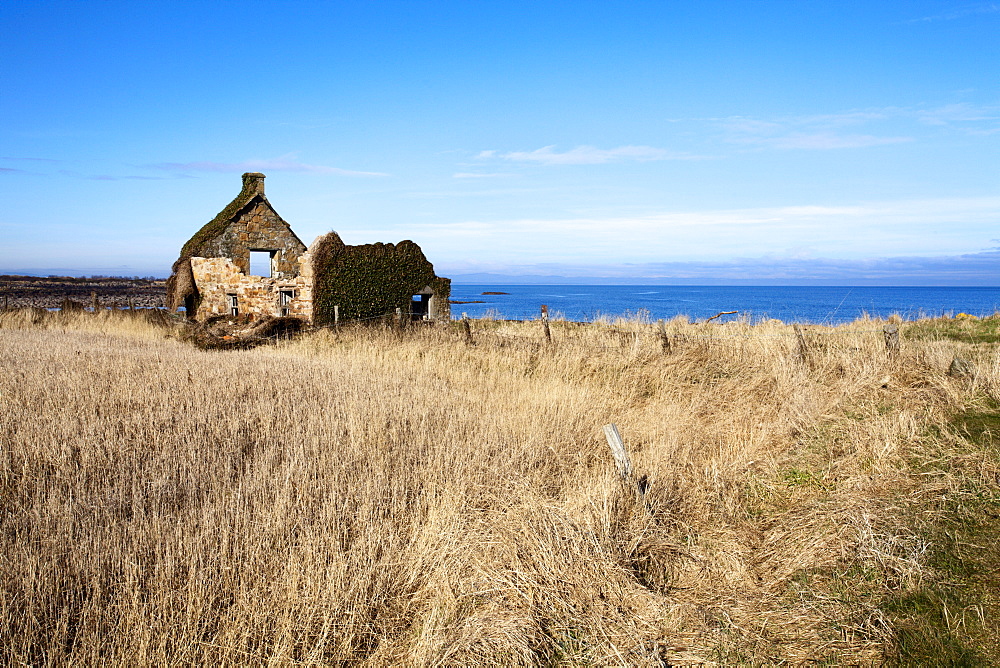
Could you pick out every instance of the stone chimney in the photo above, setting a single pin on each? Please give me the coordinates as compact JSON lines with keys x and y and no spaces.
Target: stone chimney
{"x":253,"y":182}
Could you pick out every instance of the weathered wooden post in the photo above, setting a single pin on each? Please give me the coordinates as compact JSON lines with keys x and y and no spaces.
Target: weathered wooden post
{"x":664,"y":339}
{"x":131,"y":305}
{"x":803,"y":346}
{"x":95,"y":304}
{"x":336,"y":315}
{"x":468,"y":330}
{"x":6,"y":303}
{"x":545,"y":323}
{"x":622,"y":461}
{"x":399,"y":318}
{"x":891,"y":334}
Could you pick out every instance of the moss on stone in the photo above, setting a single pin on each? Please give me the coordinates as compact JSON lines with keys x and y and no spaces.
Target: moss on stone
{"x":370,"y":280}
{"x":213,"y":228}
{"x":177,"y":287}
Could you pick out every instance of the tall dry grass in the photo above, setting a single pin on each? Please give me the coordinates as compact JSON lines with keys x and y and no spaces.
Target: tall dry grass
{"x":375,"y":497}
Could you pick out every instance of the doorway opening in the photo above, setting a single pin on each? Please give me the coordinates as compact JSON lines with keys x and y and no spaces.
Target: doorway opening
{"x":285,"y":298}
{"x":419,"y":307}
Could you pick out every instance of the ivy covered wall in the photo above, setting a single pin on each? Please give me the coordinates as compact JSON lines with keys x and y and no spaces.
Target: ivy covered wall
{"x":371,"y":280}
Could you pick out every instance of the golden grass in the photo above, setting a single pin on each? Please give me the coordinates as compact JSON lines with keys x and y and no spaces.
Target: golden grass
{"x":367,"y":496}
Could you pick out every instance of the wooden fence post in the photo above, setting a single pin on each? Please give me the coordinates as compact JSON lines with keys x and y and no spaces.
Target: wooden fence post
{"x":336,"y":315}
{"x":545,"y":323}
{"x":399,"y":318}
{"x":891,"y":334}
{"x":664,"y":339}
{"x":468,"y":330}
{"x":94,"y":302}
{"x":622,"y":461}
{"x":803,"y":346}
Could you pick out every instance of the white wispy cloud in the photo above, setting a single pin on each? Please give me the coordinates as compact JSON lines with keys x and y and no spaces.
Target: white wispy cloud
{"x":847,"y":118}
{"x":585,"y":155}
{"x":962,"y":269}
{"x":825,"y":140}
{"x":815,"y":132}
{"x":477,"y":175}
{"x":35,"y":163}
{"x":286,"y":163}
{"x":976,"y":119}
{"x":973,"y":9}
{"x":858,"y":128}
{"x":7,"y":157}
{"x":74,"y":174}
{"x":910,"y":227}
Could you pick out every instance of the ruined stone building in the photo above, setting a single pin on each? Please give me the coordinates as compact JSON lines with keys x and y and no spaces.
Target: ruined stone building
{"x":248,"y":263}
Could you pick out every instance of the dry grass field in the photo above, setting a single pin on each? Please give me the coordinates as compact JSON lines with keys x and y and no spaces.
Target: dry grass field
{"x":375,"y":497}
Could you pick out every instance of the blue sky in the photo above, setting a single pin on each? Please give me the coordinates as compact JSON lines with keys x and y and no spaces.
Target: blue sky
{"x":773,"y":141}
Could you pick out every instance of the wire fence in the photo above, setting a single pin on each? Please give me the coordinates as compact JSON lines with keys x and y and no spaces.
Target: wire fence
{"x":629,"y":337}
{"x":631,"y":342}
{"x":595,"y":335}
{"x":632,"y":337}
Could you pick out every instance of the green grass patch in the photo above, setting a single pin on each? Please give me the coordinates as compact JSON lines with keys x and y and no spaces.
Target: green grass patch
{"x":797,"y":477}
{"x":968,"y":330}
{"x":953,"y":619}
{"x":981,"y":427}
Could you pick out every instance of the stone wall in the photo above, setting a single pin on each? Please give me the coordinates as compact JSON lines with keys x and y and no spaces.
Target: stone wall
{"x":259,"y":228}
{"x":438,"y":306}
{"x":219,"y":278}
{"x":213,"y":273}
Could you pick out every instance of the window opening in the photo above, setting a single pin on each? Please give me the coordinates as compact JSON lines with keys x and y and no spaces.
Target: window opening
{"x":234,"y":304}
{"x":285,"y":298}
{"x":261,"y":263}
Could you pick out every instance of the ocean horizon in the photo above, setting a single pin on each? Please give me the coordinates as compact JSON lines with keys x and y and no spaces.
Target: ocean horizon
{"x":802,"y":304}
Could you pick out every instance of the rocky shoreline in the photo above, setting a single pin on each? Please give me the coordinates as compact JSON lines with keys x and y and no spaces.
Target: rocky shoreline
{"x":51,"y":292}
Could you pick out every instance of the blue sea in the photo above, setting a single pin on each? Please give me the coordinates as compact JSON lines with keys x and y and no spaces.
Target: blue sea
{"x":816,"y":305}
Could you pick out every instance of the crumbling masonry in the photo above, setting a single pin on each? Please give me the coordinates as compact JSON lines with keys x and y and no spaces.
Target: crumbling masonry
{"x":248,"y":263}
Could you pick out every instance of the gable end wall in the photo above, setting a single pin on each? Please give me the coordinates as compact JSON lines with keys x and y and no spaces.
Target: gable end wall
{"x":258,"y":227}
